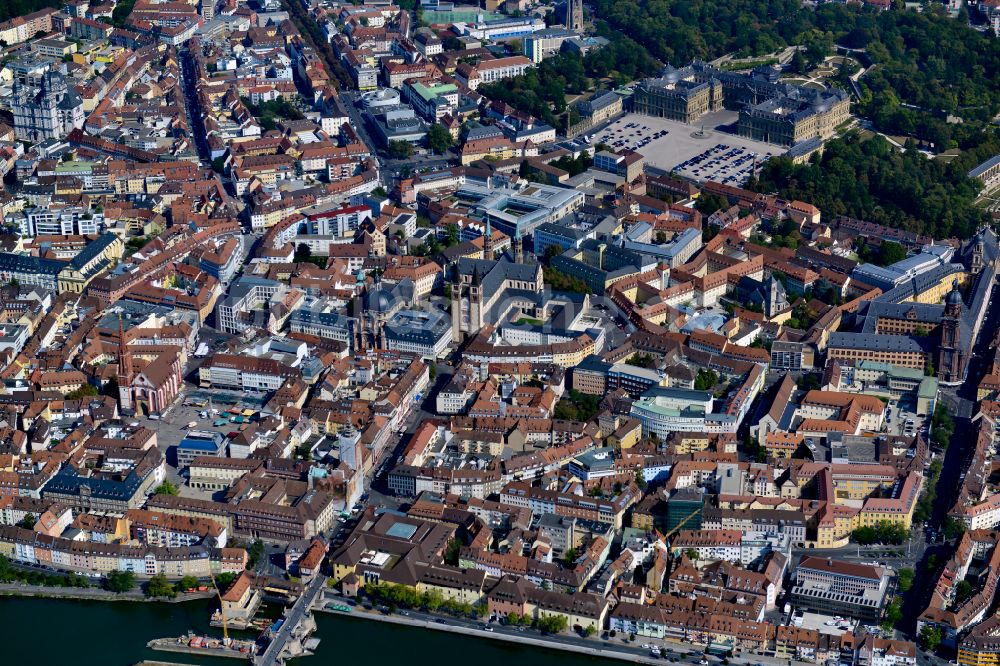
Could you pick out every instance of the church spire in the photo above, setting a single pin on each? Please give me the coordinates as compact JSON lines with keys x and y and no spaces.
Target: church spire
{"x":124,"y":356}
{"x":488,"y":241}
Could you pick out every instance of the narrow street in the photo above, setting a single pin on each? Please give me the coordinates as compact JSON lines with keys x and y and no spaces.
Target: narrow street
{"x":191,"y":107}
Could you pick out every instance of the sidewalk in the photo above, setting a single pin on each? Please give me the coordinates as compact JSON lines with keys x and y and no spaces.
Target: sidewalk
{"x":90,"y":593}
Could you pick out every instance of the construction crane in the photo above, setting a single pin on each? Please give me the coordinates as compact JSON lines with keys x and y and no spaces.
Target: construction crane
{"x":680,"y":524}
{"x":222,"y":611}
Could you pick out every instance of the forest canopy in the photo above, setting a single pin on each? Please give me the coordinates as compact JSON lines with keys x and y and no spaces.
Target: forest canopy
{"x":13,"y":8}
{"x":871,"y":180}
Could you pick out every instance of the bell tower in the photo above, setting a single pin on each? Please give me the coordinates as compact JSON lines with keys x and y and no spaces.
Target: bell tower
{"x":976,"y":265}
{"x":475,"y":301}
{"x":951,"y":358}
{"x":574,"y":15}
{"x":456,"y":304}
{"x":124,"y":371}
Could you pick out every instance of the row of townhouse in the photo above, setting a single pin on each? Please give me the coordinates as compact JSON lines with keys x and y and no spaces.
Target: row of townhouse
{"x":35,"y":548}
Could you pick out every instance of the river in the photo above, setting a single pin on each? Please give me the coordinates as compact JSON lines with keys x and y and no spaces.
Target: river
{"x":95,"y":633}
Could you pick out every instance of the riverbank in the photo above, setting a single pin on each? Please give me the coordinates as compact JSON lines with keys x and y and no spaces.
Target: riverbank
{"x":598,"y":650}
{"x":93,"y":633}
{"x":92,"y":594}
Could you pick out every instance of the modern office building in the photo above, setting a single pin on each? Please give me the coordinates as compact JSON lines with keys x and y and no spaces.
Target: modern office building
{"x":518,"y":211}
{"x":663,"y":411}
{"x":399,"y":123}
{"x":684,"y":509}
{"x":197,"y":444}
{"x":833,"y":586}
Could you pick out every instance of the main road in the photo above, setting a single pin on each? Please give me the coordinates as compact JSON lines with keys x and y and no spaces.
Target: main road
{"x":606,"y":646}
{"x":293,"y":618}
{"x":956,"y":459}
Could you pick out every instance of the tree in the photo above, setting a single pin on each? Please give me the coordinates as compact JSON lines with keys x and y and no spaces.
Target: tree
{"x":809,"y":382}
{"x":552,"y":624}
{"x":569,"y":557}
{"x":867,"y":178}
{"x":574,"y":166}
{"x":643,"y":361}
{"x":798,"y":65}
{"x":28,"y":522}
{"x":439,"y":139}
{"x":590,"y":630}
{"x":119,"y":581}
{"x":904,"y":579}
{"x":963,"y":591}
{"x":432,"y":600}
{"x":577,"y":406}
{"x":942,"y":426}
{"x":882,"y":532}
{"x":706,"y":380}
{"x":166,"y":488}
{"x":952,"y":528}
{"x":159,"y":586}
{"x":225,"y":579}
{"x":893,"y":613}
{"x":121,"y":11}
{"x":559,"y":281}
{"x":451,"y":554}
{"x":551,"y":252}
{"x":269,"y":112}
{"x":432,"y":371}
{"x":137,"y":243}
{"x":219,"y":165}
{"x":891,"y":252}
{"x":930,"y":637}
{"x":692,"y":554}
{"x":400,"y":150}
{"x":187,"y":583}
{"x":85,"y":391}
{"x":709,"y":203}
{"x":303,"y":252}
{"x":864,"y":535}
{"x":254,"y":553}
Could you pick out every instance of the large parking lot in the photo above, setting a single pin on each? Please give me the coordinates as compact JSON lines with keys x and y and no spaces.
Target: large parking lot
{"x":709,"y":150}
{"x":901,"y":419}
{"x":174,"y":425}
